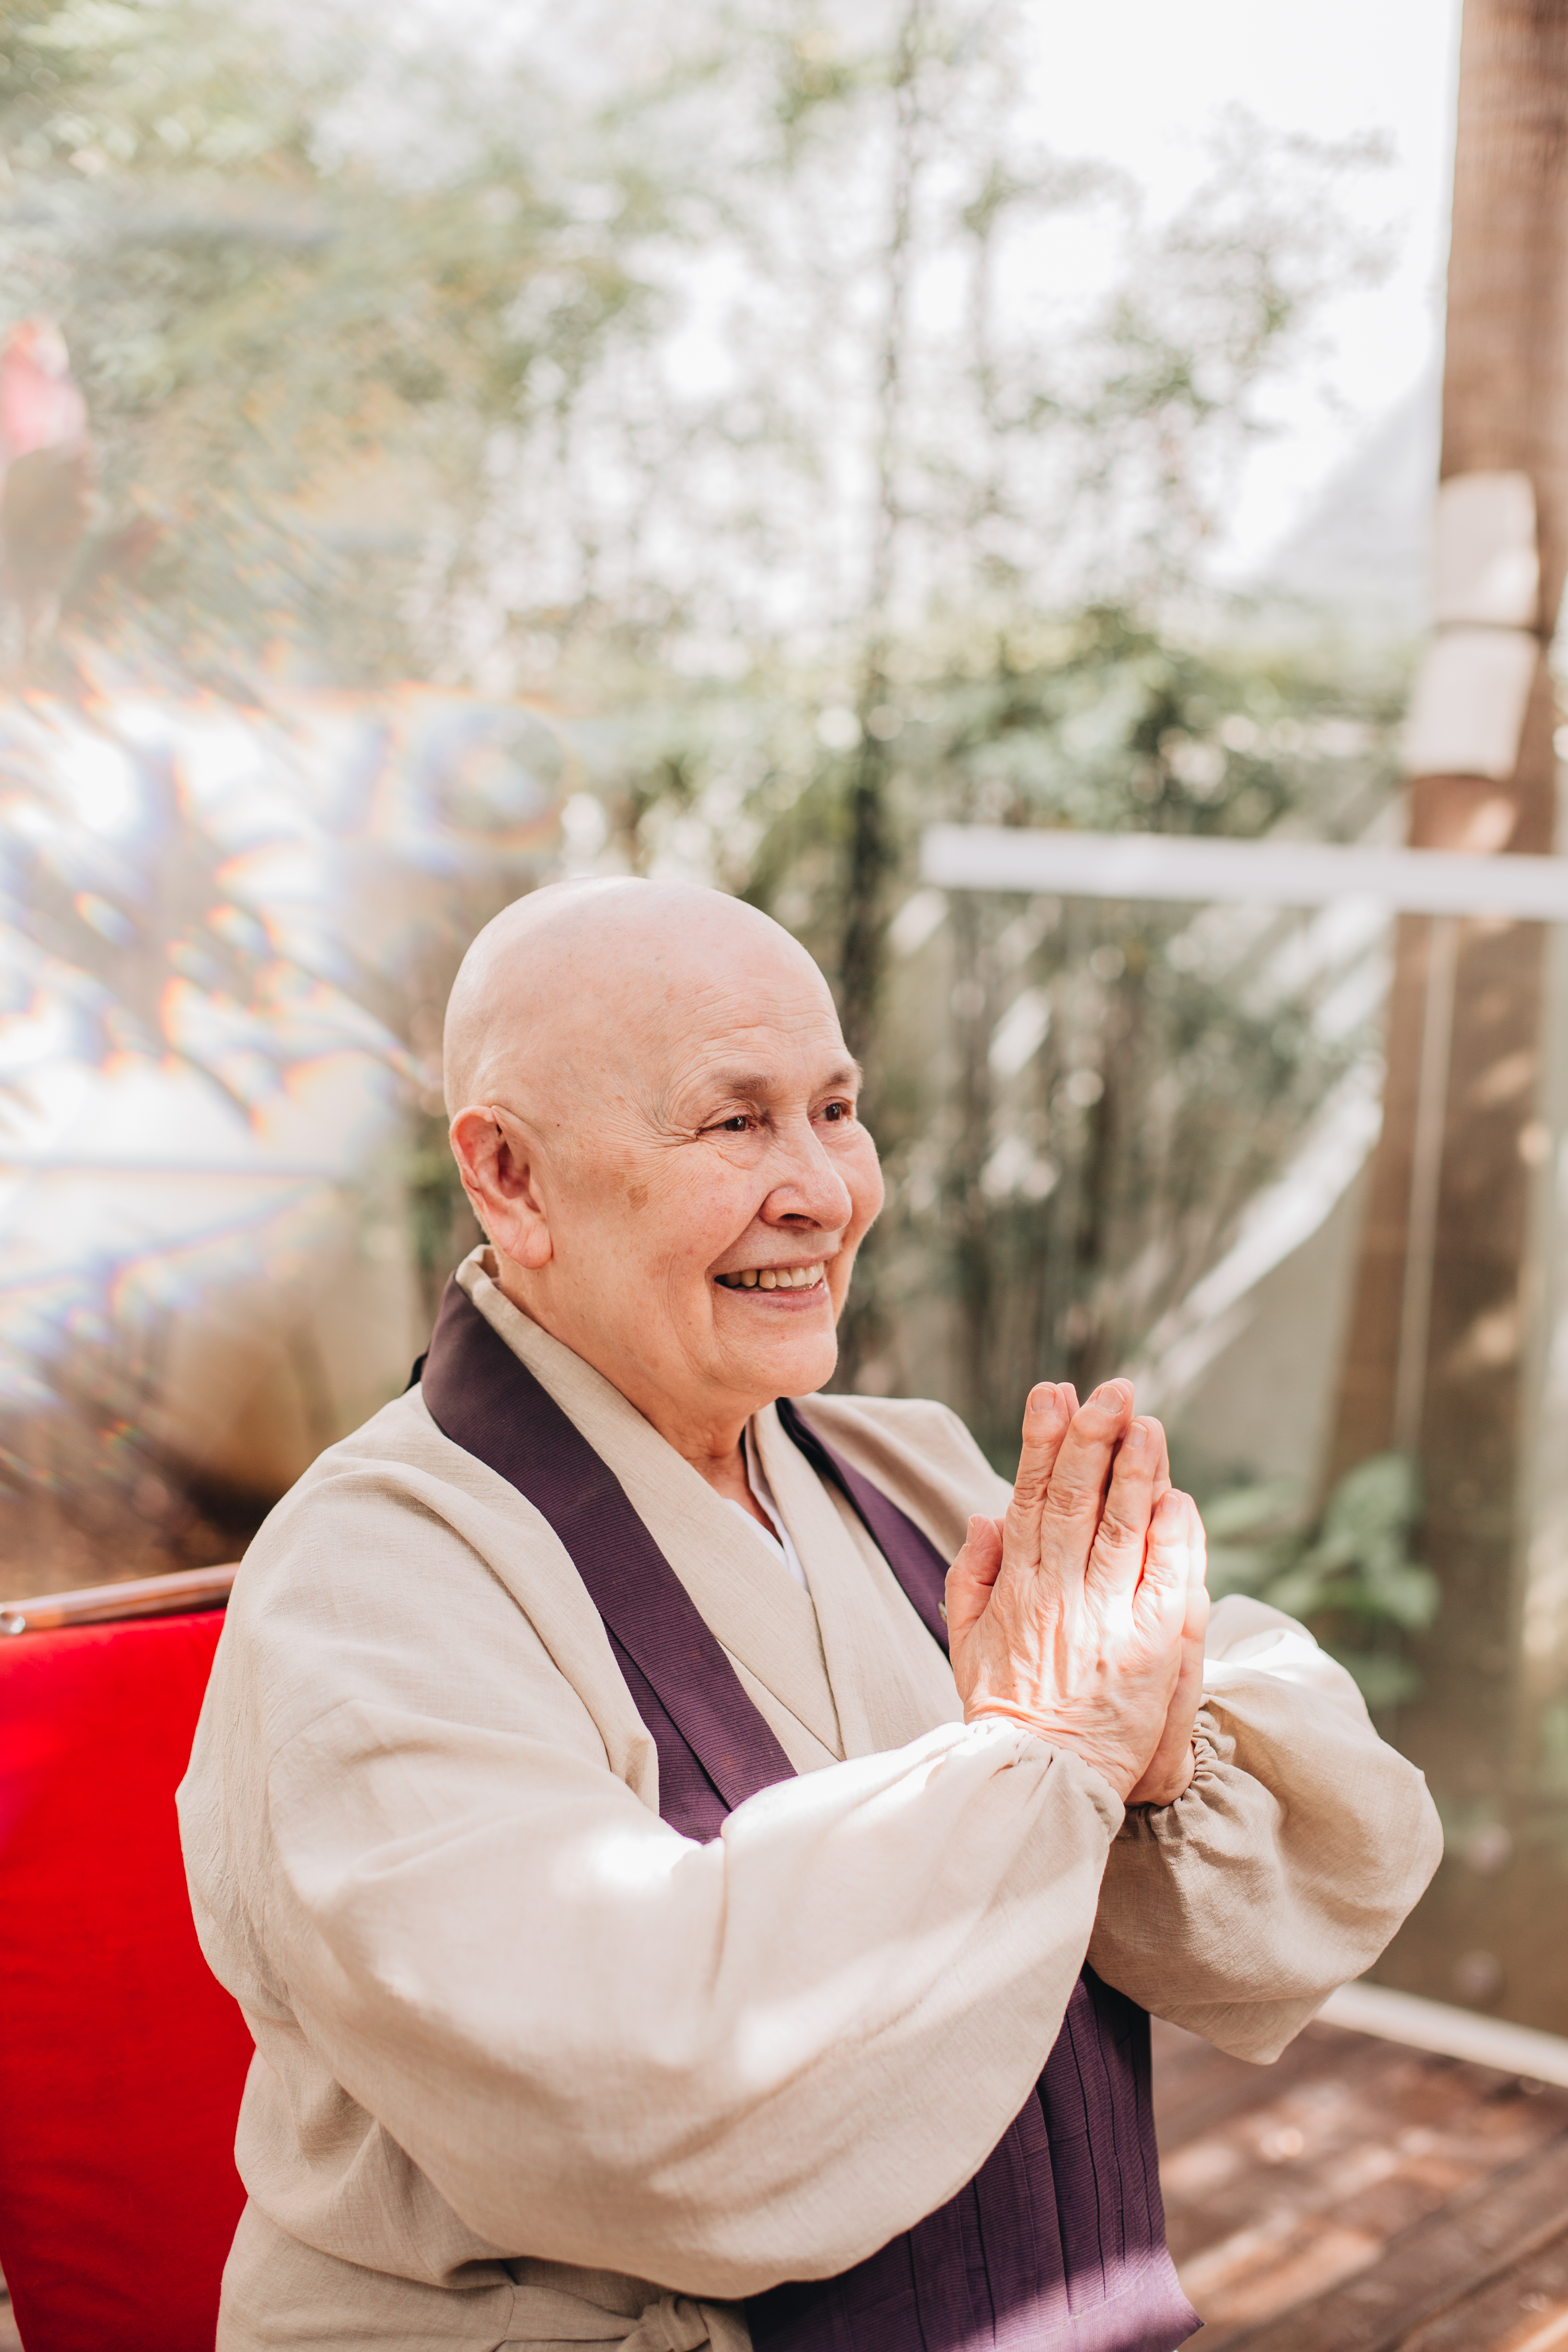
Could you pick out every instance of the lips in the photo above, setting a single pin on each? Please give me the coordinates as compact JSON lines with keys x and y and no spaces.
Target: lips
{"x":774,"y":1277}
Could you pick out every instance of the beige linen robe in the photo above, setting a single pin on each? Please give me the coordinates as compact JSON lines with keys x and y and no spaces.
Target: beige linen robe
{"x":533,"y":2069}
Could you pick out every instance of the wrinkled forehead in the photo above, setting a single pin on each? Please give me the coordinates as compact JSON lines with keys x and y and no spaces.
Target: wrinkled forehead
{"x":757,"y":1033}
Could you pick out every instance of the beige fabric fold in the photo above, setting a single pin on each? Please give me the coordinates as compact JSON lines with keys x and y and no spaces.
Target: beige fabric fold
{"x":892,"y":1682}
{"x":531,"y":2068}
{"x":283,"y":2294}
{"x":1303,"y":1835}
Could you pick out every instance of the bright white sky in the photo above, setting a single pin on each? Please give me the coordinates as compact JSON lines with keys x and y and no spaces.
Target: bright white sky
{"x":1140,"y":82}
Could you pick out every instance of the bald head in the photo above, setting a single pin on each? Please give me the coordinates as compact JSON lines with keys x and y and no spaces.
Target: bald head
{"x":585,"y":975}
{"x":655,"y":1118}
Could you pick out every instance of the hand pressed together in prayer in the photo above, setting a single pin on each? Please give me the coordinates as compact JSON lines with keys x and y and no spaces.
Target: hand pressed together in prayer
{"x":1081,"y":1613}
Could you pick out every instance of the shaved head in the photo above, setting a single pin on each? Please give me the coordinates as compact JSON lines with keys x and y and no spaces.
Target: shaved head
{"x":584,"y":974}
{"x":655,"y":1116}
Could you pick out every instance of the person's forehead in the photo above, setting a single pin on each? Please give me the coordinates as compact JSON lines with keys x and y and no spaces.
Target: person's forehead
{"x":753,"y":1054}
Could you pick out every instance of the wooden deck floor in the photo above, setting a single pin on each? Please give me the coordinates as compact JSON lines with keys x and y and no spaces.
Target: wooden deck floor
{"x":1362,"y":2197}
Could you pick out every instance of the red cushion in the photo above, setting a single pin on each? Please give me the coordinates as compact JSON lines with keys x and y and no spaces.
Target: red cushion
{"x":122,"y":2058}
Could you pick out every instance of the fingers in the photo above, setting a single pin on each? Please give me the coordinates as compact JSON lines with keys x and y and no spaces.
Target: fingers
{"x":1139,"y":1477}
{"x":971,"y":1578}
{"x":1047,"y":1416}
{"x":1080,"y":1475}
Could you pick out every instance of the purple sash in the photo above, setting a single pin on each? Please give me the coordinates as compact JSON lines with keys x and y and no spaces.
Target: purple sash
{"x":1059,"y":2243}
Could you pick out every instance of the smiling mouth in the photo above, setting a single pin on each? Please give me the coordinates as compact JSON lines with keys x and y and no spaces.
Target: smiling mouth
{"x":774,"y":1277}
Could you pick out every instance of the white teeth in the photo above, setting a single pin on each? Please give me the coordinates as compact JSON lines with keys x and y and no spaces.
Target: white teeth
{"x":774,"y":1277}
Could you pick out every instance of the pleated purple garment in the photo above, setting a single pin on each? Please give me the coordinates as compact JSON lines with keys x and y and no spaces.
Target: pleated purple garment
{"x":1059,"y":2243}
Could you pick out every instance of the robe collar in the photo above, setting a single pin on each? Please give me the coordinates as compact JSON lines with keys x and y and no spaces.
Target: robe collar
{"x":760,"y":1618}
{"x":848,"y":1667}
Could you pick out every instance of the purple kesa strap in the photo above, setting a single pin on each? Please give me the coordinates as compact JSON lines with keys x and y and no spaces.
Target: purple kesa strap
{"x":487,"y":1402}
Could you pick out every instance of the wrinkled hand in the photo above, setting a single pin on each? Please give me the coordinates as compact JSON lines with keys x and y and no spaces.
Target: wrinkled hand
{"x":1069,"y":1615}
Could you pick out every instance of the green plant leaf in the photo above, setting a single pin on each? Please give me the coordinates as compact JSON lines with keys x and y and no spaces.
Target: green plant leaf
{"x":1248,"y":1510}
{"x":1383,"y":1681}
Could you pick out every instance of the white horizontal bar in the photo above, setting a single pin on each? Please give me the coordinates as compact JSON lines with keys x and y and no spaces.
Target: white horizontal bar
{"x":1255,"y":873}
{"x":20,"y":1163}
{"x":1451,"y":2033}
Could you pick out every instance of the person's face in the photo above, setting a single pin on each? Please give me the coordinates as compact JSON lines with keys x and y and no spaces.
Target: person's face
{"x":705,"y":1191}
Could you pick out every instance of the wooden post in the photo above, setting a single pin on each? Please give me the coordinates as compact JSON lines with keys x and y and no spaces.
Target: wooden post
{"x":1437,"y":1348}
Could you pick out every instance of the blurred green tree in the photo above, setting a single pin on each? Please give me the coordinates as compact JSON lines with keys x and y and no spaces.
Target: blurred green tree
{"x":747,"y":378}
{"x":296,"y":341}
{"x":1350,"y":1576}
{"x":1077,"y":1103}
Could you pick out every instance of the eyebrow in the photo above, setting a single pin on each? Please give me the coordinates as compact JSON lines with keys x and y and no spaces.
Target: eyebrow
{"x":758,"y":1082}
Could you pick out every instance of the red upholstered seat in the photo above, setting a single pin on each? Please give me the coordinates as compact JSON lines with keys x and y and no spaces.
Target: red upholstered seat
{"x":122,"y":2058}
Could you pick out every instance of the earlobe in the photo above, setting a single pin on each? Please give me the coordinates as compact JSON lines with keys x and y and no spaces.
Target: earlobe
{"x":529,"y":1244}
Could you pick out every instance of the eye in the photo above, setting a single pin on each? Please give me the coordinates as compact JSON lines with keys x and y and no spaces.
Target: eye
{"x":736,"y":1125}
{"x":838,"y":1112}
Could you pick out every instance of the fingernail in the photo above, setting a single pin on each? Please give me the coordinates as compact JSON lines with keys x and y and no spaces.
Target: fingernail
{"x":1041,"y":1398}
{"x":1110,"y":1392}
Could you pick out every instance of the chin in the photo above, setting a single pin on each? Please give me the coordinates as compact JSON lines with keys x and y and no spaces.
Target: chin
{"x":798,"y":1362}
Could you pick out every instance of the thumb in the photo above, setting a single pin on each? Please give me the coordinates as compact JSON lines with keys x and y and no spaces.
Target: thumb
{"x":971,"y":1577}
{"x":1160,"y":1603}
{"x":1197,"y":1572}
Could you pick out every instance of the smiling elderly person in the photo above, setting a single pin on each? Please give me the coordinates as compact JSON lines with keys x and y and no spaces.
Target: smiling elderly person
{"x":651,"y":1936}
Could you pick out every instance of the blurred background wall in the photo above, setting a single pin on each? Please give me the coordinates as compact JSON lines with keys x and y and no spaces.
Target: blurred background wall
{"x":447,"y":450}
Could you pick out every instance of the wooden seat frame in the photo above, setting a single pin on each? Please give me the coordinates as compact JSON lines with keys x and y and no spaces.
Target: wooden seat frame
{"x":177,"y":1594}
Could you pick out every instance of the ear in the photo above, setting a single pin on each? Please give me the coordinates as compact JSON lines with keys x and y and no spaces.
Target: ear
{"x":500,"y":1175}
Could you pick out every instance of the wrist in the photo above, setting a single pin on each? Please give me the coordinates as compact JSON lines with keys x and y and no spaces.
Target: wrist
{"x":1162,"y":1785}
{"x":1114,"y":1771}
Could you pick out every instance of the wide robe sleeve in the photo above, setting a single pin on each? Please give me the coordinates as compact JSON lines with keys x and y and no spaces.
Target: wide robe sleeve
{"x":1299,"y":1846}
{"x":600,"y":2043}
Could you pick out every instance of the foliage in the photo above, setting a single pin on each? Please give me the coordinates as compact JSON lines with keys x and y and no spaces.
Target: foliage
{"x":388,"y":345}
{"x":1075,"y":1102}
{"x":295,"y":352}
{"x":733,"y":378}
{"x":1350,"y":1576}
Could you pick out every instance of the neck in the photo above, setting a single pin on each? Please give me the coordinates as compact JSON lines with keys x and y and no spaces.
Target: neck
{"x":726,"y":1474}
{"x":712,"y":1443}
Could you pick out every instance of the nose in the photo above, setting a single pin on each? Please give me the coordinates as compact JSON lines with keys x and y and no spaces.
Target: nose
{"x":807,"y":1187}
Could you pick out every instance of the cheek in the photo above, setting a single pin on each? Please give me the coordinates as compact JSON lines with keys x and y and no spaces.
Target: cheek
{"x":691,"y":1224}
